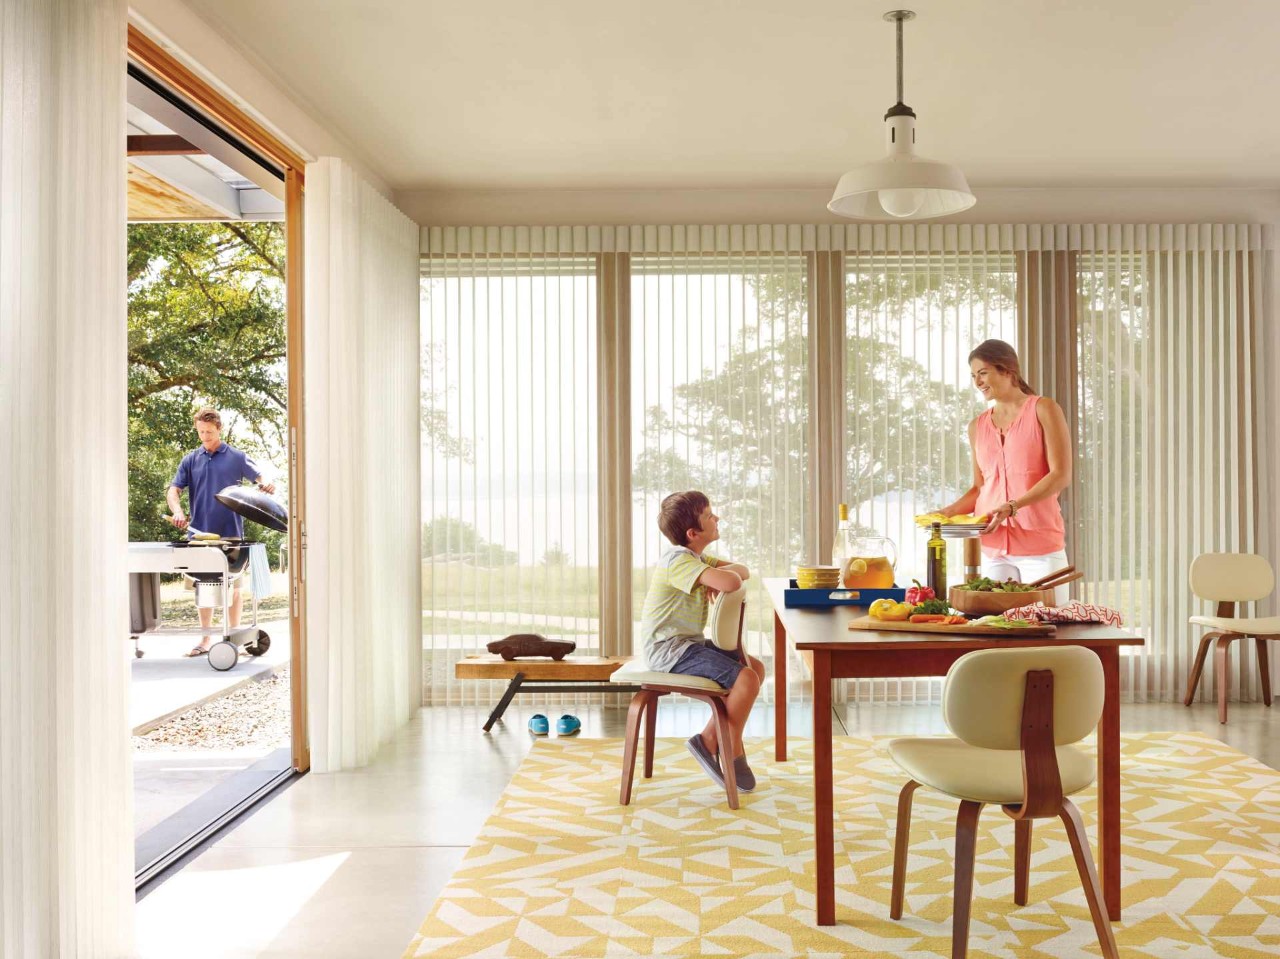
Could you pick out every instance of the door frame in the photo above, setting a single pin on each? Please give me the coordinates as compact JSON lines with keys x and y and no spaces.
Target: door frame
{"x":181,"y":80}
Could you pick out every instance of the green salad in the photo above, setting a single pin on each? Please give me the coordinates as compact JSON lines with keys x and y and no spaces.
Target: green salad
{"x":984,"y":585}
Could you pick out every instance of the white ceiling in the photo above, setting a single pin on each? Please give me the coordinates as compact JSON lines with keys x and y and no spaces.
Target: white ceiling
{"x":695,"y":94}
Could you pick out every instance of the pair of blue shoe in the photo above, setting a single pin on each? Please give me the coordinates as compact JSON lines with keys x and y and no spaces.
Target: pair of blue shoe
{"x":566,"y":725}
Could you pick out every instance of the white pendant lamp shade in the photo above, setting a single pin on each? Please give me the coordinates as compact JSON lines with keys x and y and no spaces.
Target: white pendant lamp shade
{"x":902,"y":185}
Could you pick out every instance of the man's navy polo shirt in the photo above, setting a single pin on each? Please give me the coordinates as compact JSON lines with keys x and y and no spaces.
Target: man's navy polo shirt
{"x":205,"y":474}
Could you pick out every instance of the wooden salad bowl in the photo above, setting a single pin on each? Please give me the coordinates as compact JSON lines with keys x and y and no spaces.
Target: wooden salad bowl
{"x":973,"y":603}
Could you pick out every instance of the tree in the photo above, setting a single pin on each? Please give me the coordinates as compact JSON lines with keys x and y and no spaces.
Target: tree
{"x":206,"y":325}
{"x":556,"y":556}
{"x":733,"y":432}
{"x":446,"y":538}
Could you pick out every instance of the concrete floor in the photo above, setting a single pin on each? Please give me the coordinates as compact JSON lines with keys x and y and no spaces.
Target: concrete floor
{"x":348,"y":864}
{"x":164,"y":682}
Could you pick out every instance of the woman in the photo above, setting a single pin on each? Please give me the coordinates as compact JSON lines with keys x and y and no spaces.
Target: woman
{"x":1021,"y":462}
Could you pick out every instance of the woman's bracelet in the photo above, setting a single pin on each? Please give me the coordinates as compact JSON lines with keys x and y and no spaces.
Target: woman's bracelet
{"x":1013,"y":508}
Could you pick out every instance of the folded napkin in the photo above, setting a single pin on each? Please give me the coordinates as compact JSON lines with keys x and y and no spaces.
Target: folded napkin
{"x":1073,"y":612}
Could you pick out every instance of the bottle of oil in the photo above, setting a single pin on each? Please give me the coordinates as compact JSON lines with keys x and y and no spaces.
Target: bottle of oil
{"x":843,"y":543}
{"x":936,"y":562}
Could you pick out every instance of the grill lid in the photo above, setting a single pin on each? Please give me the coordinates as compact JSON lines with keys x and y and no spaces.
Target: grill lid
{"x":255,"y":505}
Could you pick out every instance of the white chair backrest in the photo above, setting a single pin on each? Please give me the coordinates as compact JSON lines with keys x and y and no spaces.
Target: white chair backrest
{"x":725,"y":617}
{"x":1231,"y":577}
{"x":984,"y":690}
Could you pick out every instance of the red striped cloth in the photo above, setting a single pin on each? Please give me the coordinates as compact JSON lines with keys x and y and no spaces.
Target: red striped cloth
{"x":1073,"y":612}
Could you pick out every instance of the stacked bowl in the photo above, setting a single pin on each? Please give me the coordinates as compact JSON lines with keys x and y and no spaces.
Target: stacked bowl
{"x":818,"y":577}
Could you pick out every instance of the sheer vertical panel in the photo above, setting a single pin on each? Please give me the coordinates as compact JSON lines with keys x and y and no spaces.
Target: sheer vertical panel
{"x":362,"y":562}
{"x":720,"y":400}
{"x":66,"y":823}
{"x":1170,"y":445}
{"x":917,"y":301}
{"x":511,"y":494}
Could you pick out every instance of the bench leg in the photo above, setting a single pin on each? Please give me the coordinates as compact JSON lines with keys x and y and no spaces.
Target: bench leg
{"x":512,"y":688}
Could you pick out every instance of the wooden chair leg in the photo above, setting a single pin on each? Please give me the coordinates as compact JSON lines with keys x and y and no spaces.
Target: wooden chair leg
{"x":1220,"y":667}
{"x":1264,"y":667}
{"x":1070,"y":817}
{"x":1021,"y":859}
{"x":966,"y":843}
{"x":1197,"y":668}
{"x":724,"y":733}
{"x":634,"y":714}
{"x":901,"y":843}
{"x":650,"y":732}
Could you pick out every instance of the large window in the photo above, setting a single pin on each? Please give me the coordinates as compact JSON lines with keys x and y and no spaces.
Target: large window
{"x":910,"y":324}
{"x":509,"y":498}
{"x":720,"y":398}
{"x":825,"y":366}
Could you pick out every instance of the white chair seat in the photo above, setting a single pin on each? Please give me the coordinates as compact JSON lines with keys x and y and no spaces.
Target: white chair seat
{"x":636,"y":673}
{"x":1263,"y":626}
{"x":982,"y":775}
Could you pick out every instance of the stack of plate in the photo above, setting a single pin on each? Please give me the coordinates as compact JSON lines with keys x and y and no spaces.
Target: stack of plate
{"x":818,"y":577}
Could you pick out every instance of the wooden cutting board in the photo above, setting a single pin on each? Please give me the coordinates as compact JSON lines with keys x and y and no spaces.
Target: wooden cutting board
{"x":880,"y":625}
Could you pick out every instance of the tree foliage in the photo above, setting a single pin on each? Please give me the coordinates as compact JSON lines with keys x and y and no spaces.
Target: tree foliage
{"x":735,"y":432}
{"x":206,"y":325}
{"x":447,"y":539}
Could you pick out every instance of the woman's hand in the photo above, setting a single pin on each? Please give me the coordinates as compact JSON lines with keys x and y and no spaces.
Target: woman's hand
{"x":998,"y":516}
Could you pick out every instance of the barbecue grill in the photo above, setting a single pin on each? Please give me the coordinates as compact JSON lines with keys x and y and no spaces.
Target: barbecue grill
{"x":214,"y":565}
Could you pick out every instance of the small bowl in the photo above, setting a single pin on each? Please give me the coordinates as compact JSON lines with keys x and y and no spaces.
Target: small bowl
{"x":980,"y":603}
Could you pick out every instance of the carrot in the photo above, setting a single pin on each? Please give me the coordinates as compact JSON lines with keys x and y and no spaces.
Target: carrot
{"x":928,"y":618}
{"x":955,"y":621}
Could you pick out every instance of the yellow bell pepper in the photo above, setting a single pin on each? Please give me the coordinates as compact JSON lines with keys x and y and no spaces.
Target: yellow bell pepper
{"x":881,"y":608}
{"x":900,"y":613}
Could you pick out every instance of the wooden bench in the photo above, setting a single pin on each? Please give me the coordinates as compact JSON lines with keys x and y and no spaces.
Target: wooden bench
{"x":573,"y":674}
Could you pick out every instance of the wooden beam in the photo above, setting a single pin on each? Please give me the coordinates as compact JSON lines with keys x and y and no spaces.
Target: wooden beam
{"x":163,"y":144}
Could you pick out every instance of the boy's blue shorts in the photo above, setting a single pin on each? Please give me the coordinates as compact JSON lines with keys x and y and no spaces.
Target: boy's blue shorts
{"x":710,"y":662}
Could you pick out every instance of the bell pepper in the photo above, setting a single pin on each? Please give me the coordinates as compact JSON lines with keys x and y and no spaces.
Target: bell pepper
{"x":880,"y":608}
{"x":918,"y":594}
{"x":900,"y":613}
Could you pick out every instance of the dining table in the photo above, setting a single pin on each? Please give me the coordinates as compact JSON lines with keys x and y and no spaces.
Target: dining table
{"x":833,"y":651}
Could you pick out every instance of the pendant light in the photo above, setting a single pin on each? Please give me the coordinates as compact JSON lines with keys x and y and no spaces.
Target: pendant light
{"x":902,"y":185}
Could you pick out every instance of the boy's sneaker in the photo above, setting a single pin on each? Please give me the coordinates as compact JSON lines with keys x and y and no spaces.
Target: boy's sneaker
{"x":743,"y":775}
{"x":705,"y":759}
{"x":538,"y":725}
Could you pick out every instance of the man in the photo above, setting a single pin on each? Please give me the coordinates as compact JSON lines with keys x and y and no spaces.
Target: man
{"x":205,"y":471}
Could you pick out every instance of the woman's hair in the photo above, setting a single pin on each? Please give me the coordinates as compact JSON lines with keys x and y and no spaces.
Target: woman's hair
{"x":680,"y":513}
{"x":1004,"y":358}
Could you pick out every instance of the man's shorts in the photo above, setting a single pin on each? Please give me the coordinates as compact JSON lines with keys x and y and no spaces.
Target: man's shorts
{"x":710,"y":662}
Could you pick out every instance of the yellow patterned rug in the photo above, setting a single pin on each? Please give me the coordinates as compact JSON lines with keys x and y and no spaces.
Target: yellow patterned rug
{"x":560,"y":869}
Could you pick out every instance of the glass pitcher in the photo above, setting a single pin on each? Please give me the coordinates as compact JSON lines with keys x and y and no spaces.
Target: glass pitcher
{"x":871,"y":563}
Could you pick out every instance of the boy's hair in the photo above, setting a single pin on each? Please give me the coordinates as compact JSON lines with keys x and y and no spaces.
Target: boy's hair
{"x":208,"y":414}
{"x":680,"y":513}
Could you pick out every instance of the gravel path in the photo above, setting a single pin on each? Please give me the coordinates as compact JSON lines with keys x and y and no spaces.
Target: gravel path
{"x":255,"y":714}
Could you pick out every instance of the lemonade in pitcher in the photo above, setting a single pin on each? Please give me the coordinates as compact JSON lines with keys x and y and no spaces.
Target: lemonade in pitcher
{"x":871,"y":565}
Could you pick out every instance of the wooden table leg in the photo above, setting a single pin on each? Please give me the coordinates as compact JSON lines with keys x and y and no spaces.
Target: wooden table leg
{"x":1109,"y":782}
{"x":823,"y":800}
{"x":779,"y":689}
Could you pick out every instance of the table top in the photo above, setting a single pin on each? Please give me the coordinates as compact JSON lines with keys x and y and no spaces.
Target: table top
{"x":828,"y":628}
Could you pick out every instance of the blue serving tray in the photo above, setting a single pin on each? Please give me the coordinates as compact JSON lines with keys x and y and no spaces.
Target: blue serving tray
{"x":794,"y":596}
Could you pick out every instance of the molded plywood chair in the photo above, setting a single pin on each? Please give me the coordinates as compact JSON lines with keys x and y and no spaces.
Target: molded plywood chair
{"x":725,"y":627}
{"x":1227,"y":579}
{"x":1015,"y":713}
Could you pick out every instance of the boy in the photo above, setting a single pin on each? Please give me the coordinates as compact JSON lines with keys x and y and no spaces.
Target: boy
{"x":675,"y":615}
